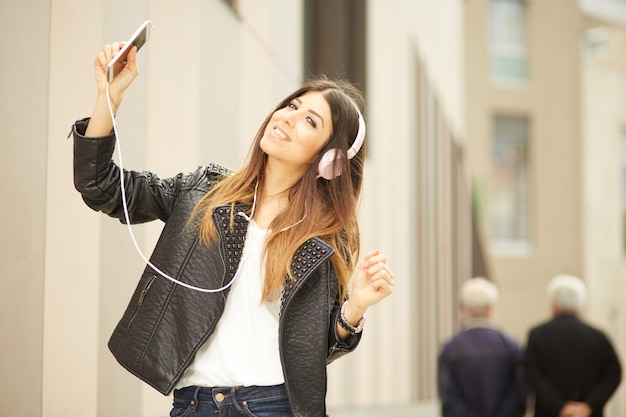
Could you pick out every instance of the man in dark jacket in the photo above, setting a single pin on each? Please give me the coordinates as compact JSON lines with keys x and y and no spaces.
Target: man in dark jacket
{"x":571,"y":367}
{"x":480,"y":367}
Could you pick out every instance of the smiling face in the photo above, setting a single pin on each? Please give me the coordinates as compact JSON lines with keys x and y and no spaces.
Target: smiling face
{"x":296,"y":133}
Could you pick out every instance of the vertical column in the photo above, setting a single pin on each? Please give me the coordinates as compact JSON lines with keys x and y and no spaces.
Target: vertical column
{"x":71,"y":287}
{"x":23,"y":112}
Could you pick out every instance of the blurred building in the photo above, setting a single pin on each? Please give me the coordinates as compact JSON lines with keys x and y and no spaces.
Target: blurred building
{"x":545,"y":122}
{"x":417,"y":203}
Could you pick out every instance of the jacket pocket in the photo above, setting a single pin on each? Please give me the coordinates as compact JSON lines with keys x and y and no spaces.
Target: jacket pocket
{"x":142,"y":296}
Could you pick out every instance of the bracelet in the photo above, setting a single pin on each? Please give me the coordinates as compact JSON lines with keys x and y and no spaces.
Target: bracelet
{"x":347,"y":326}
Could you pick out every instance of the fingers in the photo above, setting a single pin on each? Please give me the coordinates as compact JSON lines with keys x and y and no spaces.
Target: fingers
{"x":111,"y":49}
{"x":383,"y":282}
{"x":104,"y":57}
{"x":101,"y":60}
{"x":378,"y":271}
{"x":372,"y":282}
{"x":371,"y":255}
{"x":107,"y":52}
{"x":382,"y":289}
{"x":125,"y":69}
{"x":131,"y":60}
{"x":375,"y":262}
{"x":575,"y":409}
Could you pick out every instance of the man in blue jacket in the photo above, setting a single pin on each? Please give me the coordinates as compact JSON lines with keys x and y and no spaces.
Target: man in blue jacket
{"x":480,"y":367}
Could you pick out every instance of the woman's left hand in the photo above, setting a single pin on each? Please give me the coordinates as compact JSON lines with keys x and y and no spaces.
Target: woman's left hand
{"x":372,"y":282}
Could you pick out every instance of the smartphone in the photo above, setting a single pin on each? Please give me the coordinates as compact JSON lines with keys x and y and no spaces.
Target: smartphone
{"x":138,"y":39}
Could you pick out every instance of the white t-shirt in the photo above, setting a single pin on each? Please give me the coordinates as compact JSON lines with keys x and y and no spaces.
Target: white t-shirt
{"x":243,"y":349}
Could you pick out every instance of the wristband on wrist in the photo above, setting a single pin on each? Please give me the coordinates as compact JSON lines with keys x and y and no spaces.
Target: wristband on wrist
{"x":347,"y":326}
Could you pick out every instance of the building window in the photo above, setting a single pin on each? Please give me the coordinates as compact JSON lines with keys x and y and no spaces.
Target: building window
{"x":508,"y":43}
{"x":509,"y":206}
{"x":595,"y":41}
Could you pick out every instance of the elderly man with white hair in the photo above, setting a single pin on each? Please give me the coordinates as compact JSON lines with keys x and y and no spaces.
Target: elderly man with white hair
{"x":571,"y":367}
{"x":480,"y":367}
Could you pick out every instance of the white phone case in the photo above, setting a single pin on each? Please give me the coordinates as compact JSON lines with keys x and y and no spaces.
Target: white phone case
{"x":138,"y":39}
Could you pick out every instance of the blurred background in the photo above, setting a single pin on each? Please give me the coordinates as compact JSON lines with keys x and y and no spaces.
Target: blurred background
{"x":496,"y":148}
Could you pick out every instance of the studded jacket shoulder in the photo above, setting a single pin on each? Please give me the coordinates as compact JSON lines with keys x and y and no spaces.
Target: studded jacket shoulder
{"x":165,"y":324}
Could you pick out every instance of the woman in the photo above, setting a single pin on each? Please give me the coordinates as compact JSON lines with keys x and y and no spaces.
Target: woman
{"x":268,"y":252}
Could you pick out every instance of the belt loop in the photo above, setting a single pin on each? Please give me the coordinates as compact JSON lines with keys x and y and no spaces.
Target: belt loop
{"x":233,"y":395}
{"x":195,"y":402}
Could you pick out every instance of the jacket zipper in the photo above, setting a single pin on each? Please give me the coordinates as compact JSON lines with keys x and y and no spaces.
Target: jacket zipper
{"x":142,"y":295}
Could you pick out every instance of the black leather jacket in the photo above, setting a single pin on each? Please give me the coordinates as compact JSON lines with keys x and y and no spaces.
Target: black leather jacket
{"x":165,"y":324}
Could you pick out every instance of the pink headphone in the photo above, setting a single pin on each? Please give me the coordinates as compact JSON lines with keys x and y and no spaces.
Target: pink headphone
{"x":327,"y":168}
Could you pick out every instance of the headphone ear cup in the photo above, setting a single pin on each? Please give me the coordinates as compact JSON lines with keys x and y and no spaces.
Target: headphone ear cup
{"x":327,"y":167}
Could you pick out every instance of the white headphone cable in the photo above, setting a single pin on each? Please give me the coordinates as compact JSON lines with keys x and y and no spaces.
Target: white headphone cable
{"x":127,"y":217}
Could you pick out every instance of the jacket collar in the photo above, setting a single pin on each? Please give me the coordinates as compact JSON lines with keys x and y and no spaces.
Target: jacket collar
{"x":474,"y":322}
{"x":232,"y":239}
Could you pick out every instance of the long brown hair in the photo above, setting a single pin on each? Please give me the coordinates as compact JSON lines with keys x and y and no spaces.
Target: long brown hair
{"x":317,"y":207}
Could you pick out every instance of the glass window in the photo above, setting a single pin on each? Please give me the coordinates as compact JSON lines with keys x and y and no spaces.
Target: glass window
{"x":595,"y":41}
{"x":509,"y":195}
{"x":509,"y":61}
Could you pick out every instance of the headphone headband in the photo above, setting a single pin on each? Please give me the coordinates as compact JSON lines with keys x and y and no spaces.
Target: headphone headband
{"x":360,"y":135}
{"x":327,"y":168}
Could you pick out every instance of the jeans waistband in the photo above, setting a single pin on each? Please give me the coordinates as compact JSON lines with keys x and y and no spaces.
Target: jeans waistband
{"x":230,"y":395}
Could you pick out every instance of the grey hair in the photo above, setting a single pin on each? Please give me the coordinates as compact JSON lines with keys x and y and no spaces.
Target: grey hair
{"x":478,"y":294}
{"x":567,"y":293}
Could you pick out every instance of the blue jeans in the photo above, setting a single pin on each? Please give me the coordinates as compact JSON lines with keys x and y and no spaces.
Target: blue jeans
{"x":251,"y":401}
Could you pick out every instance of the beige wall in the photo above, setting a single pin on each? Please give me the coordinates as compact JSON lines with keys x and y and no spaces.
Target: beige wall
{"x":551,"y":101}
{"x":23,"y":116}
{"x":207,"y":80}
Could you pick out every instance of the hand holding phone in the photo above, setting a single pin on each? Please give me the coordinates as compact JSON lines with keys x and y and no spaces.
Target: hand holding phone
{"x":138,"y":39}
